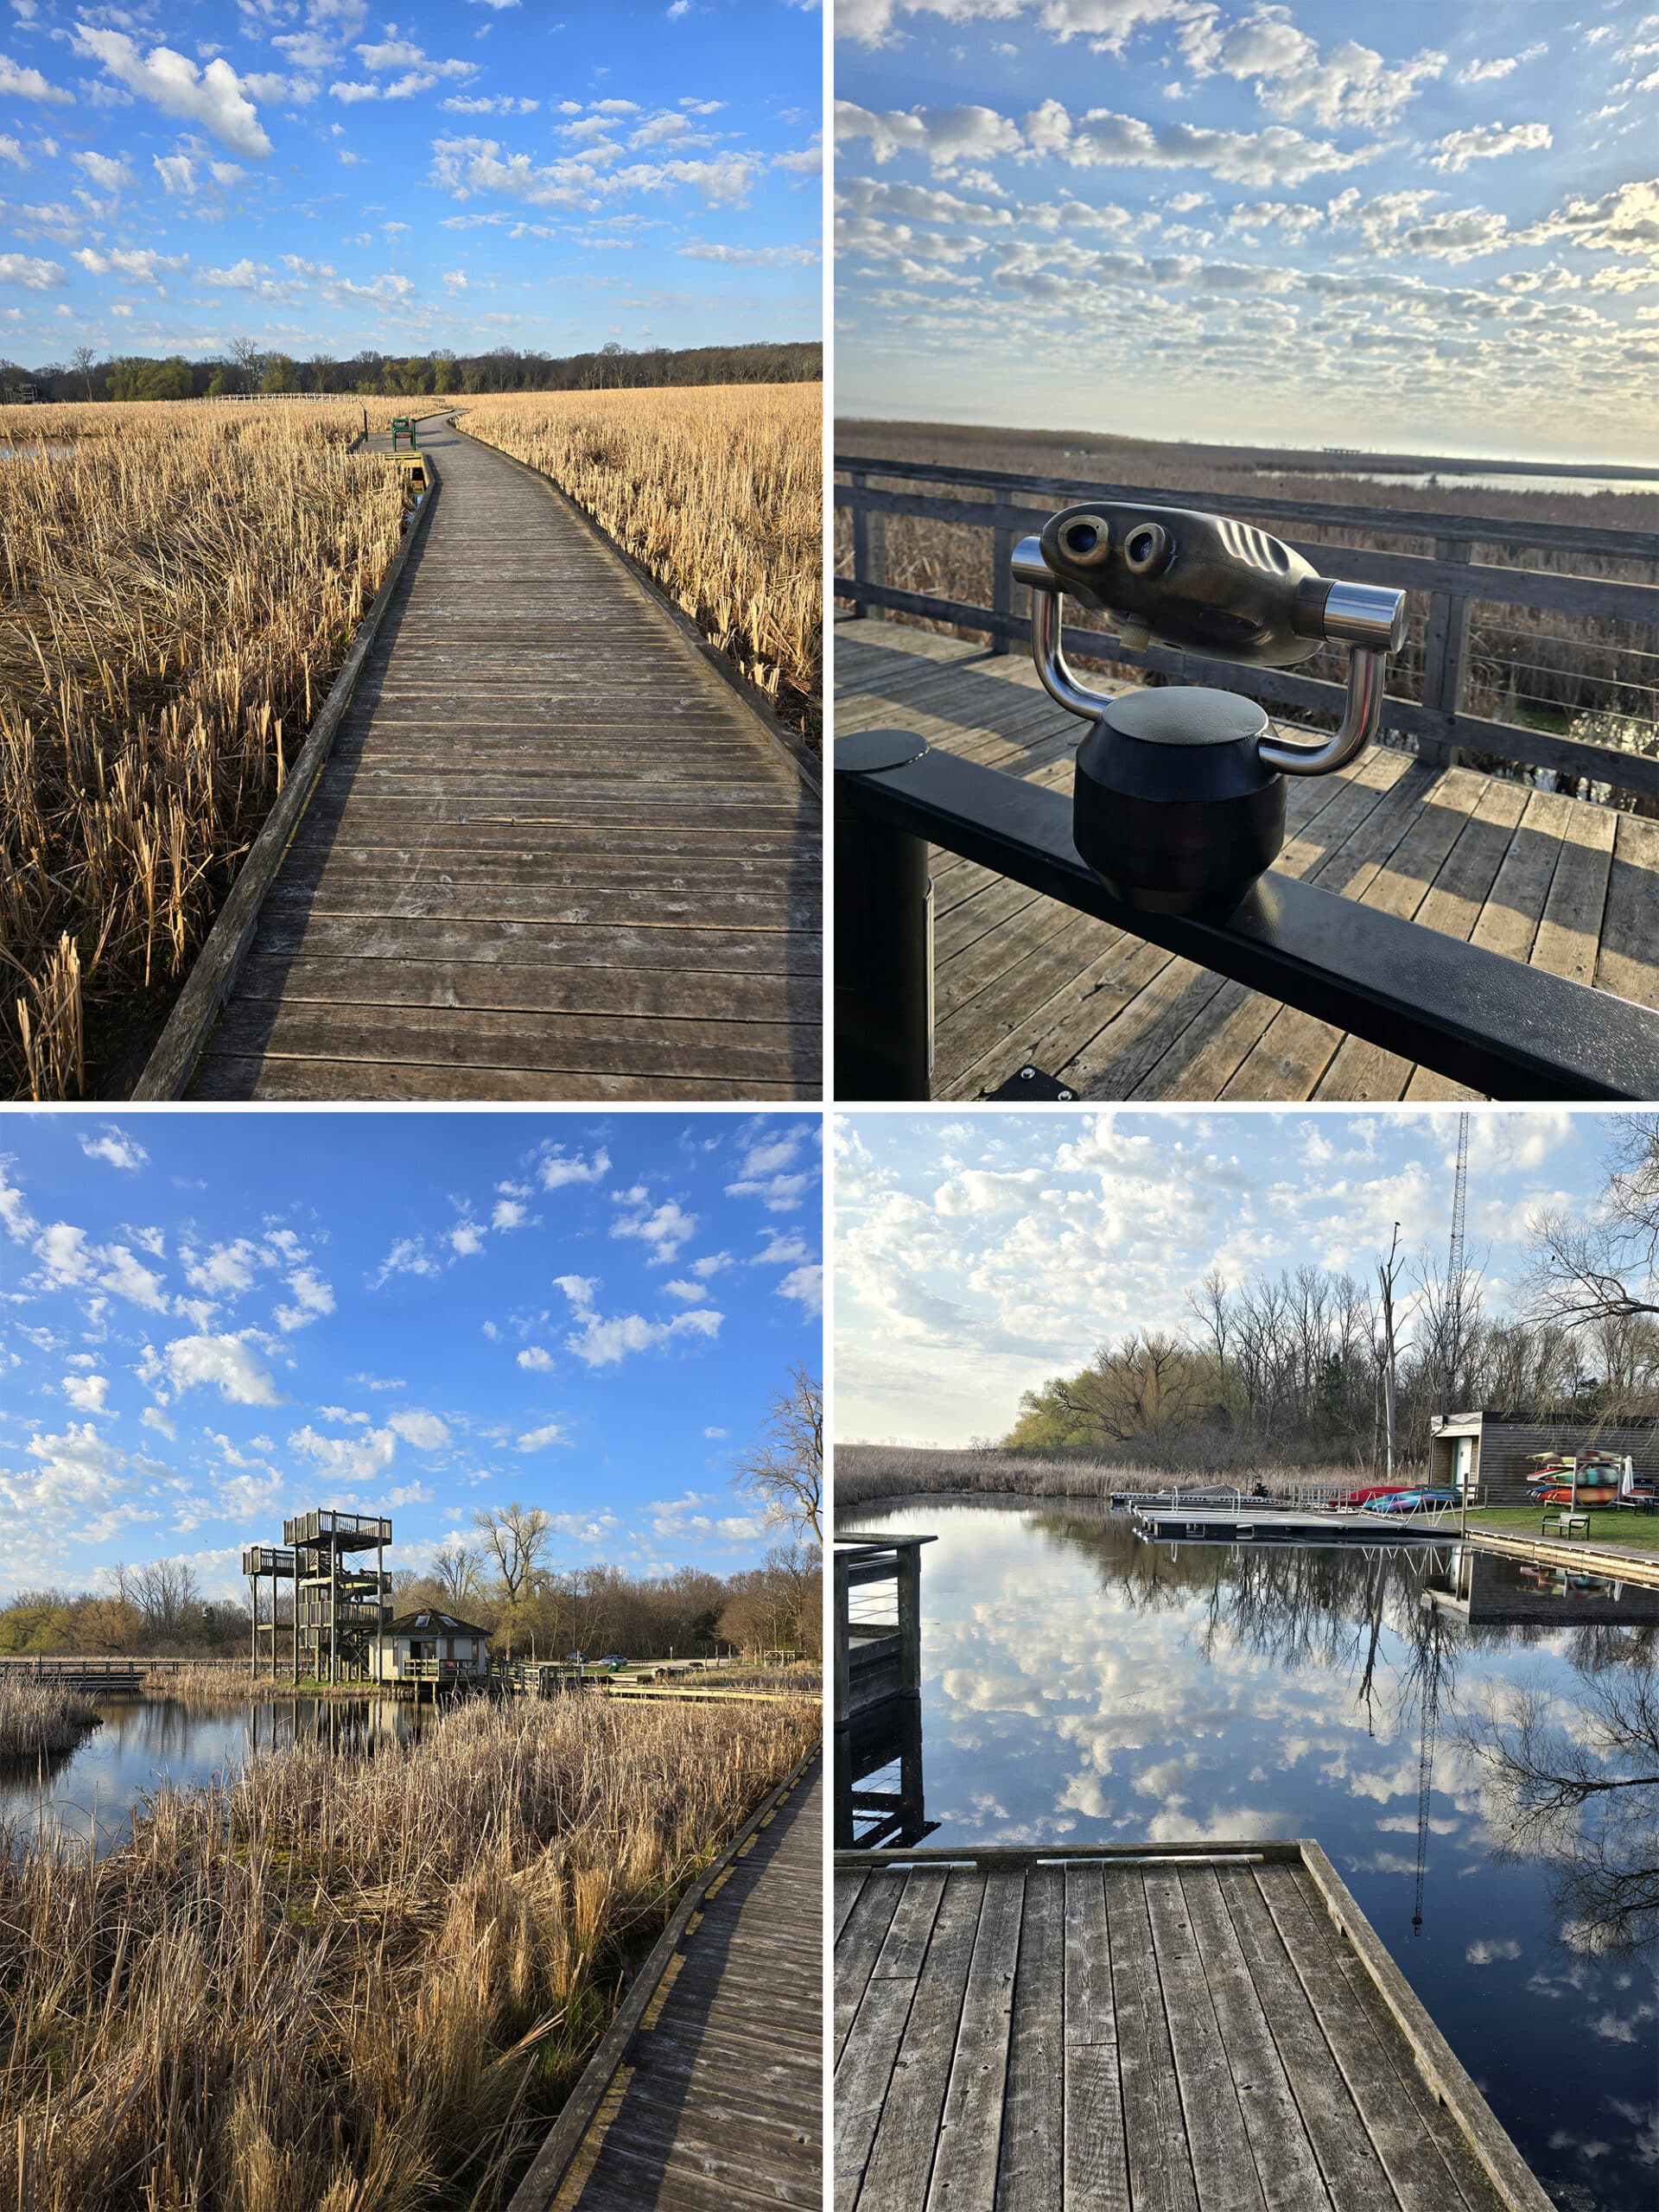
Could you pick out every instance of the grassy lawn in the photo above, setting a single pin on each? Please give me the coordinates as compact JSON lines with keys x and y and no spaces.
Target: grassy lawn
{"x":1608,"y":1525}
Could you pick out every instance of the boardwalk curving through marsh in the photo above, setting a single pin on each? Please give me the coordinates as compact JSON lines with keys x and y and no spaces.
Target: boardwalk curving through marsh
{"x":718,"y":2103}
{"x":554,"y":853}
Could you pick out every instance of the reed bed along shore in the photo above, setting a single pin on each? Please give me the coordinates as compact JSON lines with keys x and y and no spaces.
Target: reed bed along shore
{"x":182,"y":584}
{"x":358,"y":1984}
{"x":40,"y":1718}
{"x":1592,"y":679}
{"x":866,"y":1473}
{"x":716,"y":490}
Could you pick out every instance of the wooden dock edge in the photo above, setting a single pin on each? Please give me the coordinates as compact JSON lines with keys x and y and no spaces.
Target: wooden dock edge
{"x":1439,"y":2066}
{"x":541,"y":2184}
{"x":799,"y":755}
{"x":216,"y":967}
{"x":1599,"y":1558}
{"x":1514,"y":2181}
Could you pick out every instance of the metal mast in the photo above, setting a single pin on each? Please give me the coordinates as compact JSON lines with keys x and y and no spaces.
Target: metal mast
{"x":1452,"y":1343}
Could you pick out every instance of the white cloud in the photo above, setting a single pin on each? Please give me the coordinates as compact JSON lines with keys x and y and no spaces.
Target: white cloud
{"x":86,"y":1392}
{"x":1350,"y":86}
{"x":222,"y":1362}
{"x":178,"y":175}
{"x":225,"y":1270}
{"x":211,"y":96}
{"x":714,"y":1434}
{"x":537,"y":1439}
{"x":690,"y":1292}
{"x":144,"y":266}
{"x":116,"y":1149}
{"x":1503,"y":64}
{"x":65,"y":1256}
{"x":408,"y":1256}
{"x":664,"y":1228}
{"x":109,"y":172}
{"x":19,"y":83}
{"x":535,"y":1358}
{"x":30,"y":271}
{"x":313,"y":1298}
{"x":805,"y":1285}
{"x":509,"y":1213}
{"x":555,"y":1167}
{"x":129,"y":1279}
{"x":600,"y":1341}
{"x":1486,"y":142}
{"x":20,"y":1223}
{"x":348,"y":1458}
{"x":423,"y":1430}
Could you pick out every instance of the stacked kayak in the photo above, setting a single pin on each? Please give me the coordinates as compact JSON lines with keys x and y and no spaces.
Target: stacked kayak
{"x":1599,"y":1474}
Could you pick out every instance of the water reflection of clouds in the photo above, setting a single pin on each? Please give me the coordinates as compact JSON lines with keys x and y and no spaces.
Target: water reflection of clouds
{"x":1078,"y":1689}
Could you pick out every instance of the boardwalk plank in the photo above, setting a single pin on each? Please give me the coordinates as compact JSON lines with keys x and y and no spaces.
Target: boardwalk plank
{"x":1532,"y":874}
{"x":534,"y":745}
{"x":720,"y":2102}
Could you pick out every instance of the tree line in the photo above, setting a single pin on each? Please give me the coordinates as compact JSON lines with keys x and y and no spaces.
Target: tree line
{"x":244,"y":367}
{"x":1315,"y":1365}
{"x":502,"y":1574}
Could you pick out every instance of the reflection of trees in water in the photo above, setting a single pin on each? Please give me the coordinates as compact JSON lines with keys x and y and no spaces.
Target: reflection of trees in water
{"x":1576,"y":1791}
{"x":1581,"y":1794}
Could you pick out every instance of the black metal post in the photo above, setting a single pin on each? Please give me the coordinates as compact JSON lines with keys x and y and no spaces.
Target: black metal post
{"x":884,"y":935}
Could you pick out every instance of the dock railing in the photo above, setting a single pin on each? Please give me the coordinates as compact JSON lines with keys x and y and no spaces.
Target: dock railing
{"x":1504,"y":1028}
{"x":1439,"y":661}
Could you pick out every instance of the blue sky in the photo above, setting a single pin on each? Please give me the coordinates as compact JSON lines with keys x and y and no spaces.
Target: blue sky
{"x":976,"y":1256}
{"x":1414,"y":226}
{"x":324,"y":177}
{"x":211,"y":1320}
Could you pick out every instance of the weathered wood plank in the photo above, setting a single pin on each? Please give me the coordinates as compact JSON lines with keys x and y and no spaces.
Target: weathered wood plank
{"x":1031,"y":2155}
{"x":901,"y":2156}
{"x":535,"y":746}
{"x":1095,"y":2168}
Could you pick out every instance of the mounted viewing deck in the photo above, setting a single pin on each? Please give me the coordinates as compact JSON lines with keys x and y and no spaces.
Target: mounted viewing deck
{"x":1199,"y":2027}
{"x":553,"y":853}
{"x":1522,"y":923}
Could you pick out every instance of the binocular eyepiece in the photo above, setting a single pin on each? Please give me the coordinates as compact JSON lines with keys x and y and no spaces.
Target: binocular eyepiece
{"x":1205,"y":584}
{"x":1178,"y":802}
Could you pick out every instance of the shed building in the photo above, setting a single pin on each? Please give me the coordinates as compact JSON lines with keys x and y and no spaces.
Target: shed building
{"x":432,"y":1646}
{"x":1494,"y":1453}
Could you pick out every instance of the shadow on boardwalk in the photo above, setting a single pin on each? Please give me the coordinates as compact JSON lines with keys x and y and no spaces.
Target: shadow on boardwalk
{"x":554,"y":853}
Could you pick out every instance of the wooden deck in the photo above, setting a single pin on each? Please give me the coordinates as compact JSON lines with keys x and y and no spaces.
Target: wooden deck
{"x":1026,"y":2032}
{"x":553,"y":855}
{"x":1566,"y":885}
{"x":714,"y":2101}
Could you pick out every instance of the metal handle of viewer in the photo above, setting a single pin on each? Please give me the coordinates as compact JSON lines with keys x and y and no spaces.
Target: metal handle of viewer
{"x":1369,"y":618}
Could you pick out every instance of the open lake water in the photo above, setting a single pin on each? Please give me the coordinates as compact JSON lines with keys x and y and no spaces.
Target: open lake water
{"x":1079,"y":1685}
{"x":143,"y":1744}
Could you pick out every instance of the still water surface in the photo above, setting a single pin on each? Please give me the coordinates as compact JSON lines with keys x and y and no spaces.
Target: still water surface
{"x":145,"y":1743}
{"x":1080,"y":1686}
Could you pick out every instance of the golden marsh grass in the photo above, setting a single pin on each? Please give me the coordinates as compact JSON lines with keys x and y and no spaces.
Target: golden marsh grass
{"x":40,"y":1718}
{"x":180,"y":585}
{"x":360,"y":1984}
{"x":716,"y":490}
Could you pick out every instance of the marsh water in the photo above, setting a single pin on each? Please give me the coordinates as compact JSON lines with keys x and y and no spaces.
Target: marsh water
{"x":1082,"y":1685}
{"x":143,"y":1744}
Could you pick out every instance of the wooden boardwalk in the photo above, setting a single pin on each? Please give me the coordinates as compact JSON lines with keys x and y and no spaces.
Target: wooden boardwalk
{"x":553,"y":855}
{"x":1566,"y":885}
{"x":717,"y":2105}
{"x":1198,"y":2032}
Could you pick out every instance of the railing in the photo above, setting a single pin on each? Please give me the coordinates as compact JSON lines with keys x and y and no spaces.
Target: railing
{"x":1444,"y":589}
{"x":1493,"y":1023}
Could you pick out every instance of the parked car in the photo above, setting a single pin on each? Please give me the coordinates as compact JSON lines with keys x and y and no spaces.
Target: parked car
{"x":613,"y":1660}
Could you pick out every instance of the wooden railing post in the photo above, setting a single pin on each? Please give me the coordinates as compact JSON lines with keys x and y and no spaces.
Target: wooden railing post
{"x":842,"y":1654}
{"x":1001,"y":575}
{"x":861,"y":540}
{"x":1445,"y":649}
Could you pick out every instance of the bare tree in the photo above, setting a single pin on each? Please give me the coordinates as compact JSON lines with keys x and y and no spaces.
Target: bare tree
{"x":166,"y":1594}
{"x":1604,"y":1268}
{"x":457,"y":1568}
{"x":784,"y":1469}
{"x":248,"y":362}
{"x":81,"y":362}
{"x":515,"y":1536}
{"x":1387,"y":1274}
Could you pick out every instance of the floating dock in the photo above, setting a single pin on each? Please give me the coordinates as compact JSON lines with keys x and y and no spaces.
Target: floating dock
{"x":706,"y":2093}
{"x":1236,"y":1524}
{"x":1198,"y":2028}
